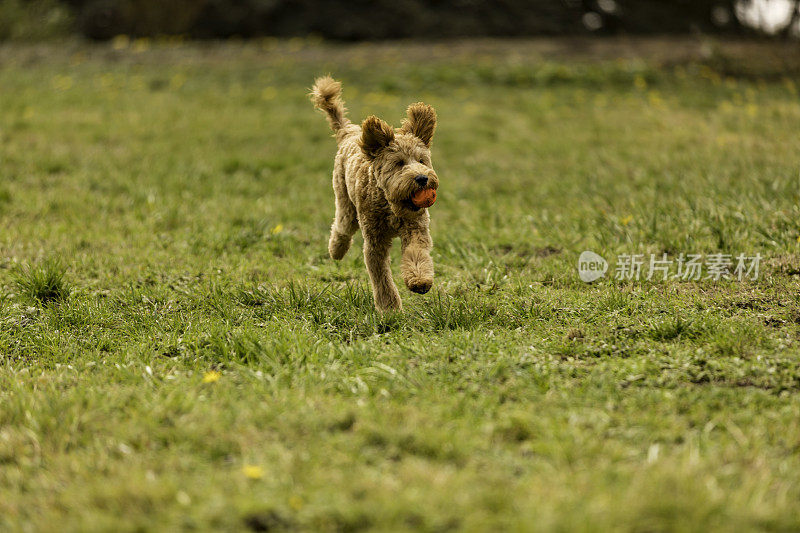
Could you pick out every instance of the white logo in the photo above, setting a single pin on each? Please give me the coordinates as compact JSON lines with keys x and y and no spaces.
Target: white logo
{"x":591,"y":266}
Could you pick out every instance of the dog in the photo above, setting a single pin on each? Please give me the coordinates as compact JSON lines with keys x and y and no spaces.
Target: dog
{"x":376,"y":172}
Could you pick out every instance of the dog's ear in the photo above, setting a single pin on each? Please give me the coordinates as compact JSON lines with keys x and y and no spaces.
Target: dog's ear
{"x":375,"y":136}
{"x":421,"y":122}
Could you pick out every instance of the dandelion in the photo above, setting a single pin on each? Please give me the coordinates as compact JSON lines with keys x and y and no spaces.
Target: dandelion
{"x":252,"y":471}
{"x":120,"y":42}
{"x":626,"y":220}
{"x":798,"y":238}
{"x":295,"y":502}
{"x":709,"y":73}
{"x":212,"y":376}
{"x":277,"y":229}
{"x":62,"y":83}
{"x":177,"y":81}
{"x":141,"y":45}
{"x":655,"y":99}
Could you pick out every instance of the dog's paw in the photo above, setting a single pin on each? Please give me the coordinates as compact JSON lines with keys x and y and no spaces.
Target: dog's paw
{"x":388,"y":304}
{"x":338,"y":245}
{"x":420,"y":286}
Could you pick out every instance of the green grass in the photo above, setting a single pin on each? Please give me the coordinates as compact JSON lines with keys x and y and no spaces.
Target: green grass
{"x":44,"y":283}
{"x":177,"y":351}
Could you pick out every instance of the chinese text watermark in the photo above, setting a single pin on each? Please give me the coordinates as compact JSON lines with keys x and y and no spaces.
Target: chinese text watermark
{"x":684,"y":267}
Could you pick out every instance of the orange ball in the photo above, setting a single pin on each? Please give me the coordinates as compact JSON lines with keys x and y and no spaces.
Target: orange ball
{"x":424,"y":198}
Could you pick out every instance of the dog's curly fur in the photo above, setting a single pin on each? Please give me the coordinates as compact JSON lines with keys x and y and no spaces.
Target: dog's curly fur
{"x":376,"y":171}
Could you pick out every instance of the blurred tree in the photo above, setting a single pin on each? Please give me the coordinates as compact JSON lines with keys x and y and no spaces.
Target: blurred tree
{"x":33,"y":19}
{"x":389,"y":19}
{"x":792,"y":26}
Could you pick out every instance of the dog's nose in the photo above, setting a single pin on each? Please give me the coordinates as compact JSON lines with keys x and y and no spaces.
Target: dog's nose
{"x":421,"y":180}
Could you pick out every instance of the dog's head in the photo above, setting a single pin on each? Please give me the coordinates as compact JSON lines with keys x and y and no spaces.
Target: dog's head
{"x":401,"y":160}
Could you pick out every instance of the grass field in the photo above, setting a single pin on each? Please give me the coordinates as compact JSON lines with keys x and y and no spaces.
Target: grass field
{"x":177,"y":351}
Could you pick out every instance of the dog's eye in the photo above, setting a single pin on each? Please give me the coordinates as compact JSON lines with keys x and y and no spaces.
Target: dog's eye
{"x":400,"y":163}
{"x":422,"y":161}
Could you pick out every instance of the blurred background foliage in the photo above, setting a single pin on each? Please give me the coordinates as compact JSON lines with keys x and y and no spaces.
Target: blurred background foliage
{"x":34,"y":19}
{"x":392,"y":19}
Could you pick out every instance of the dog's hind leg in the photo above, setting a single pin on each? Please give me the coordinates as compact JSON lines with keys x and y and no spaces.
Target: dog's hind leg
{"x":345,"y":221}
{"x":376,"y":257}
{"x":344,"y":226}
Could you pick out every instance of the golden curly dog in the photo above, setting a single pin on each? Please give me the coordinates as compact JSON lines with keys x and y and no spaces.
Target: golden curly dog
{"x":376,"y":173}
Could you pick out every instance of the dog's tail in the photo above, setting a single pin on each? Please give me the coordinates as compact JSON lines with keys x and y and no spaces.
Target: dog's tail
{"x":327,"y":95}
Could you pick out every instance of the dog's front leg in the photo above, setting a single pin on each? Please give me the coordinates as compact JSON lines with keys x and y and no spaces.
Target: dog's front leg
{"x":417,"y":265}
{"x":376,"y":257}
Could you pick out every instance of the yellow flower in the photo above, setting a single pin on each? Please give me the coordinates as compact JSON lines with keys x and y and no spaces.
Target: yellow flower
{"x":798,"y":238}
{"x":626,"y":220}
{"x":277,"y":229}
{"x":212,"y":376}
{"x":655,"y":99}
{"x":141,"y":45}
{"x":252,"y":471}
{"x":120,"y":41}
{"x":296,"y":502}
{"x":177,"y":81}
{"x":62,"y":83}
{"x":640,"y":83}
